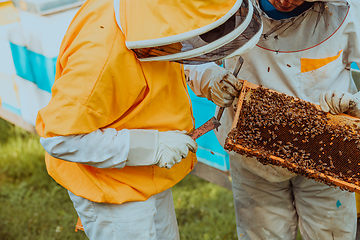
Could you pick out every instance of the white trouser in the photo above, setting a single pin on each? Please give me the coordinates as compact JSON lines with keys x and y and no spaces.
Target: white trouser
{"x":153,"y":219}
{"x":266,"y":210}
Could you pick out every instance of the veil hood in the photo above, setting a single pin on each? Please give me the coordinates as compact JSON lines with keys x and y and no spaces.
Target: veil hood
{"x":188,"y":31}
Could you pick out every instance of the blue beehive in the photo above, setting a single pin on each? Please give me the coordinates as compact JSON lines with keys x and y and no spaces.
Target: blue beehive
{"x":210,"y":152}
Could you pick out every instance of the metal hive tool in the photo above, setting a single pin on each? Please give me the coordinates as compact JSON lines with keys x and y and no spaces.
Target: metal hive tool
{"x":286,"y":131}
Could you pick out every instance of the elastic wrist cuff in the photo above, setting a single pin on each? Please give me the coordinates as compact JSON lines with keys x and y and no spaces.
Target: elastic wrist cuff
{"x":143,"y":147}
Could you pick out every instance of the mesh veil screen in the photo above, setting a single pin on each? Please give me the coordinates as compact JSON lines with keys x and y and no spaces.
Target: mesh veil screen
{"x":235,"y":22}
{"x":285,"y":131}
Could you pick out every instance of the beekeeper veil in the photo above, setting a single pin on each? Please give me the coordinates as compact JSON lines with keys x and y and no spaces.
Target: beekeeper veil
{"x":317,"y":24}
{"x":188,"y":31}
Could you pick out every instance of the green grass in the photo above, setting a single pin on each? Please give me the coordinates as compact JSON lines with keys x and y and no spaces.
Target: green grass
{"x":204,"y":210}
{"x":34,"y":206}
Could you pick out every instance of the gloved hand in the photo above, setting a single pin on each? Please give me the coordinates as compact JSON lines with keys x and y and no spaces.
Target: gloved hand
{"x":222,"y":88}
{"x":164,"y":149}
{"x":173,"y":147}
{"x":337,"y":102}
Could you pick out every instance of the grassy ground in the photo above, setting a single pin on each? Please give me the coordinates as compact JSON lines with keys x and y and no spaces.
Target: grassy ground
{"x":33,"y":206}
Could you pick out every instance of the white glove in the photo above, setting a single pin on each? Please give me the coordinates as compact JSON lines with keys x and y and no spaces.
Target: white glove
{"x":222,"y":88}
{"x":173,"y":146}
{"x":109,"y":148}
{"x":337,"y":102}
{"x":213,"y":82}
{"x":165,"y":149}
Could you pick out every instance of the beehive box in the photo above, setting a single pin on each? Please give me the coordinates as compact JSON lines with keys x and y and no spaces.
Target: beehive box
{"x":286,"y":131}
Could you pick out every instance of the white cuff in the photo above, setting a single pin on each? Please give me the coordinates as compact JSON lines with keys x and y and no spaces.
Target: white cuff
{"x":143,"y":147}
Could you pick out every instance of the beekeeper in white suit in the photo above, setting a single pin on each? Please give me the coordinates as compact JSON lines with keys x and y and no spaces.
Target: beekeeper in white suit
{"x":305,"y":50}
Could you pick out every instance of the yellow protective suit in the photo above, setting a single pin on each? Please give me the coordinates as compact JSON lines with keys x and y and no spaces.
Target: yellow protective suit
{"x":101,"y":84}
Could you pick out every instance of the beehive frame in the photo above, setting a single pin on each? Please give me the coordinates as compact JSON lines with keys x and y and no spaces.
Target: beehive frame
{"x":344,"y":129}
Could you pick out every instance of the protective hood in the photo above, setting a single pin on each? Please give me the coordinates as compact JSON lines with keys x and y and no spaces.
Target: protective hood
{"x":313,"y":27}
{"x":188,"y":31}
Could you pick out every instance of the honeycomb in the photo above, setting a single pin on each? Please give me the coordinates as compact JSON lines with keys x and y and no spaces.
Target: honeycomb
{"x":289,"y":132}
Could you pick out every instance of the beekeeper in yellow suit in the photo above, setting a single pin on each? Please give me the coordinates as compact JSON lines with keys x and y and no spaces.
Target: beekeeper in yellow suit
{"x":115,"y":130}
{"x":306,"y":49}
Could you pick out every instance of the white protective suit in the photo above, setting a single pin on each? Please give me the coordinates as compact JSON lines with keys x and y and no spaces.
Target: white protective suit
{"x":302,"y":56}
